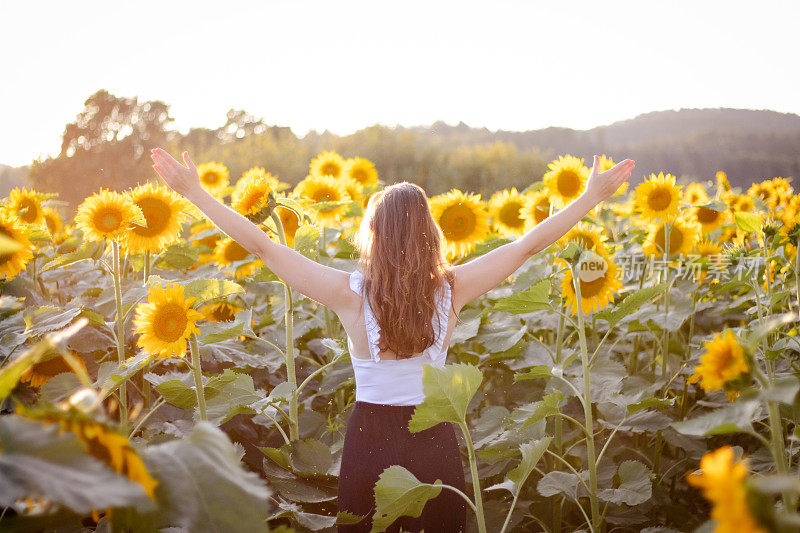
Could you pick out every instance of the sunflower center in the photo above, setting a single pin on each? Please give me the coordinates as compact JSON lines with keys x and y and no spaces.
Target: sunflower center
{"x":210,"y":178}
{"x":331,"y":169}
{"x":590,"y":289}
{"x":706,"y":215}
{"x":289,"y":221}
{"x":541,"y":212}
{"x":235,"y":252}
{"x":659,"y":199}
{"x":157,"y":214}
{"x":5,"y":233}
{"x":359,"y":174}
{"x":675,"y":239}
{"x":27,"y":210}
{"x":457,"y":222}
{"x":509,"y":215}
{"x":51,"y":223}
{"x":568,"y":183}
{"x":169,"y":323}
{"x":107,"y":219}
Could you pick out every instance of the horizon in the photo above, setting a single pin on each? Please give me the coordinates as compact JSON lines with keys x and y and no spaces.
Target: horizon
{"x":311,"y":66}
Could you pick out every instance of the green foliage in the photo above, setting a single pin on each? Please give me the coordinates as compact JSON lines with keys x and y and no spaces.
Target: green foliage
{"x":448,"y":391}
{"x":398,"y":493}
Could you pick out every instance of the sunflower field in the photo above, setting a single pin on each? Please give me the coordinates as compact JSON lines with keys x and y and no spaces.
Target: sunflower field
{"x":640,"y":374}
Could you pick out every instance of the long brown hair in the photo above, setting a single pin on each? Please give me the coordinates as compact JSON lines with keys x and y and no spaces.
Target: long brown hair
{"x":404,"y":265}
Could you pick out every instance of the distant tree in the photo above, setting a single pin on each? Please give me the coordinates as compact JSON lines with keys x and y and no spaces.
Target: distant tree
{"x":107,"y":146}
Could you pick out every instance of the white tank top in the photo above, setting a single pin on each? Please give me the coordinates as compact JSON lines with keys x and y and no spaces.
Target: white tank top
{"x":396,"y":381}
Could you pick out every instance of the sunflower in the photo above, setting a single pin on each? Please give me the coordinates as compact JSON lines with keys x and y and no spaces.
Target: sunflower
{"x":214,"y":177}
{"x":740,"y":202}
{"x":327,"y":164}
{"x":40,"y":373}
{"x":166,"y":321}
{"x":26,"y":206}
{"x":712,"y":250}
{"x":462,"y":218}
{"x":683,"y":235}
{"x":209,"y":242}
{"x":504,"y":208}
{"x":52,"y":221}
{"x":597,"y":290}
{"x":106,"y":214}
{"x":354,"y":189}
{"x":362,"y":170}
{"x":104,"y":444}
{"x":324,"y":189}
{"x":789,"y":214}
{"x":709,"y":219}
{"x":289,"y":221}
{"x":588,"y":237}
{"x":535,"y":209}
{"x":228,"y":251}
{"x":658,"y":198}
{"x":162,"y":210}
{"x":722,"y":362}
{"x":219,"y":311}
{"x":565,"y":180}
{"x":13,"y":263}
{"x":695,"y":194}
{"x":722,"y":480}
{"x":723,"y":185}
{"x":251,"y":192}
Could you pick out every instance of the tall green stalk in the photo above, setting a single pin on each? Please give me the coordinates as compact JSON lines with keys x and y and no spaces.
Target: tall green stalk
{"x":291,"y":372}
{"x":665,"y":342}
{"x":587,"y":408}
{"x":123,"y":395}
{"x":476,"y":482}
{"x":558,"y":430}
{"x":197,"y":371}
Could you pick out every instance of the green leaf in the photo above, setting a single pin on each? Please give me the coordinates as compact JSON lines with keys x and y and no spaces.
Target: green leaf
{"x":535,"y":372}
{"x":177,"y":393}
{"x":783,"y":390}
{"x":534,"y":298}
{"x":206,"y":290}
{"x":137,"y":217}
{"x":178,"y":257}
{"x":306,"y":240}
{"x":735,"y":418}
{"x":548,"y":406}
{"x":203,"y":486}
{"x":448,"y":391}
{"x":46,"y":318}
{"x":749,"y":222}
{"x":310,"y":456}
{"x":398,"y":493}
{"x":220,"y":331}
{"x":631,"y":302}
{"x":39,"y":462}
{"x":531,"y":453}
{"x":634,"y":485}
{"x":89,"y":250}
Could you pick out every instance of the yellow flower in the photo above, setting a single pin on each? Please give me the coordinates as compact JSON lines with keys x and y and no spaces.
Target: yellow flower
{"x":766,"y":191}
{"x":40,"y":373}
{"x":695,"y":194}
{"x":711,"y":250}
{"x":162,"y":209}
{"x":709,"y":219}
{"x":320,"y":189}
{"x":658,"y":198}
{"x":214,"y":177}
{"x":209,"y":241}
{"x":565,"y":180}
{"x":683,"y":235}
{"x":740,"y":202}
{"x":722,"y":362}
{"x":362,"y":170}
{"x":327,"y":164}
{"x":166,"y":321}
{"x":251,"y":192}
{"x":601,"y":282}
{"x":26,"y":206}
{"x":219,"y":311}
{"x":587,"y":236}
{"x":17,"y":261}
{"x":289,"y":221}
{"x":354,"y":188}
{"x":722,"y":481}
{"x":504,"y":208}
{"x":105,"y":214}
{"x":462,"y":218}
{"x":52,"y":220}
{"x":536,"y":209}
{"x":229,"y":251}
{"x":723,"y":186}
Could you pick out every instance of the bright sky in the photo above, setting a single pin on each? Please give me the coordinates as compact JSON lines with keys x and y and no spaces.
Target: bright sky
{"x":344,"y":65}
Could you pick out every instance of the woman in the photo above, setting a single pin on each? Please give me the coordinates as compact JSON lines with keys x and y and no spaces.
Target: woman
{"x":399,"y":312}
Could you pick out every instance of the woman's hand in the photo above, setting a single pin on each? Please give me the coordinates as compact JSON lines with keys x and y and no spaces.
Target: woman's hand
{"x":601,"y":186}
{"x":185,"y":181}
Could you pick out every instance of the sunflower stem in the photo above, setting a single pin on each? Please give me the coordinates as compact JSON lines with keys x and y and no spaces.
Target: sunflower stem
{"x":665,"y":342}
{"x":797,"y":273}
{"x":476,"y":482}
{"x":291,"y":372}
{"x":587,"y":409}
{"x":558,"y":430}
{"x":123,"y":396}
{"x":146,"y":270}
{"x":197,"y":370}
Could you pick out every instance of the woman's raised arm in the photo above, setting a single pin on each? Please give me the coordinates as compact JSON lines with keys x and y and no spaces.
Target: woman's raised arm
{"x":482,"y":274}
{"x":323,"y":284}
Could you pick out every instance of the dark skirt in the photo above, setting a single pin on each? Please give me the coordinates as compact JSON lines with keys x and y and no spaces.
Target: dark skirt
{"x":377,"y":437}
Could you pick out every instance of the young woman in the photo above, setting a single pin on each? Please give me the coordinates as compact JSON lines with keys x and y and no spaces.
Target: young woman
{"x":398,"y":310}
